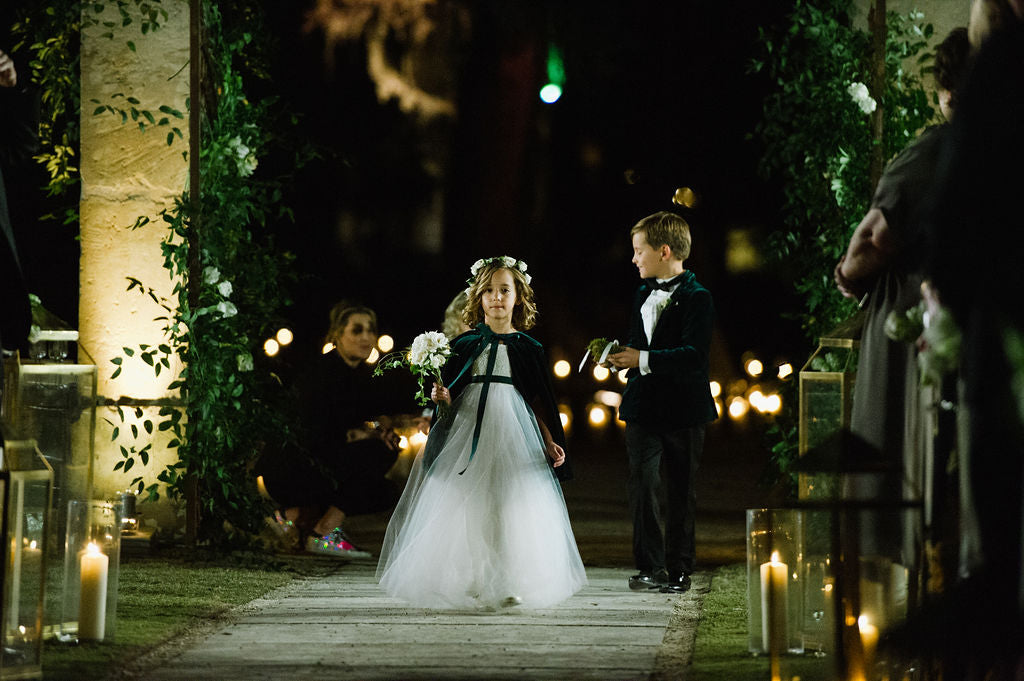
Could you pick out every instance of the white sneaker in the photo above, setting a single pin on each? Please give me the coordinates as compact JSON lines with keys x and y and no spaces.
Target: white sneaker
{"x":336,"y":544}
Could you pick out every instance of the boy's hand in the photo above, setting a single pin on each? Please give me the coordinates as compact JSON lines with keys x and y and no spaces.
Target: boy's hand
{"x":625,"y":358}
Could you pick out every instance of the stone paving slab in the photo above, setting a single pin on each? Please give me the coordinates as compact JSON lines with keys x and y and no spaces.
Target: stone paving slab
{"x":343,"y":627}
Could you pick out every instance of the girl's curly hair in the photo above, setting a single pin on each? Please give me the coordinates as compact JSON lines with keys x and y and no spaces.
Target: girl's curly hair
{"x":524,"y":313}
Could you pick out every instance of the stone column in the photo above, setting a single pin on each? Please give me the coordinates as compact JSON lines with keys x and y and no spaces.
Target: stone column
{"x":127,"y":173}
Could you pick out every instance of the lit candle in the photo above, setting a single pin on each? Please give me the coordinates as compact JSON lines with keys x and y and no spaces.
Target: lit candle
{"x":869,"y":640}
{"x":774,"y":595}
{"x":92,"y":604}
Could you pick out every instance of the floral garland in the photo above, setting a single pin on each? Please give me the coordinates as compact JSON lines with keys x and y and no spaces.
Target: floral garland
{"x":505,"y":260}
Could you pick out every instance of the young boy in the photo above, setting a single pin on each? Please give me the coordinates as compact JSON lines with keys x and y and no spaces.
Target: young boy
{"x":667,"y":401}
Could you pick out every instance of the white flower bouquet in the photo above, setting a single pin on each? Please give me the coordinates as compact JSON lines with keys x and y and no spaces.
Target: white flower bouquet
{"x":424,"y":358}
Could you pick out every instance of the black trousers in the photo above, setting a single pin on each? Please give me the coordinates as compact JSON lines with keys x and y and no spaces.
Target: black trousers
{"x":679,"y":451}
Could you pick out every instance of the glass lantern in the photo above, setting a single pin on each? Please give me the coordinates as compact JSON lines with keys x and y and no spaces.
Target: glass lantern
{"x":775,"y":581}
{"x":92,"y":553}
{"x":26,"y":487}
{"x":826,"y":395}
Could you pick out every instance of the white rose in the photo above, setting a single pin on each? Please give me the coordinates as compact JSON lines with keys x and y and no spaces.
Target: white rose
{"x":225,"y":288}
{"x":476,"y":267}
{"x":227,"y":309}
{"x":528,"y":278}
{"x":245,"y":362}
{"x":211,"y":275}
{"x":522,"y":266}
{"x":508,"y":262}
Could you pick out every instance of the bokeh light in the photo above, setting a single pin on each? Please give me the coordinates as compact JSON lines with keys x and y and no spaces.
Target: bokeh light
{"x":562,"y":368}
{"x":386,"y":343}
{"x":785,"y":370}
{"x":754,"y":367}
{"x":597,"y":415}
{"x":285,"y":336}
{"x":327,"y":348}
{"x":601,"y":373}
{"x":271,"y":347}
{"x":374,"y":356}
{"x":685,"y":196}
{"x":621,"y":375}
{"x":716,"y":388}
{"x":550,"y":93}
{"x":738,"y":408}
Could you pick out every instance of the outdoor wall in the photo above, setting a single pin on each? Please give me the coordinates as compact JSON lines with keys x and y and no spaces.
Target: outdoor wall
{"x":127,"y":173}
{"x":943,"y":15}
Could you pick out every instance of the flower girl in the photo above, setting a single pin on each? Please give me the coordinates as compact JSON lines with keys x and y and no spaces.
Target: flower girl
{"x":482,"y":522}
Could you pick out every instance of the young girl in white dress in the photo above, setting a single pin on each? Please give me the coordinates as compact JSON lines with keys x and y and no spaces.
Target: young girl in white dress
{"x":482,"y":522}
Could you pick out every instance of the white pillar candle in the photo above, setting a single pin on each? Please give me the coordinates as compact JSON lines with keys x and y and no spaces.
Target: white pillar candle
{"x":92,"y":604}
{"x":774,"y":598}
{"x":869,"y":640}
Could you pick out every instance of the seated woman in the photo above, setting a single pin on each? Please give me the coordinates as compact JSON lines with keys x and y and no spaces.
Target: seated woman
{"x":344,"y":443}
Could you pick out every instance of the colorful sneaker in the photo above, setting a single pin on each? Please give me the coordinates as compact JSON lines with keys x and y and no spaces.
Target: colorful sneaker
{"x":336,"y":544}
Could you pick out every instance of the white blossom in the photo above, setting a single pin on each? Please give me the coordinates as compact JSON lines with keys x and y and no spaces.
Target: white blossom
{"x":859,"y":93}
{"x":226,"y":309}
{"x":429,"y":350}
{"x":246,"y":159}
{"x":521,"y":266}
{"x":476,"y":267}
{"x":508,"y":261}
{"x":224,"y":288}
{"x":211,"y":275}
{"x":245,"y":362}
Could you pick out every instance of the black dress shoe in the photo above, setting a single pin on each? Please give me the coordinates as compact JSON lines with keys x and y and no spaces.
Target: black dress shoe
{"x":677,"y":585}
{"x":646,"y":581}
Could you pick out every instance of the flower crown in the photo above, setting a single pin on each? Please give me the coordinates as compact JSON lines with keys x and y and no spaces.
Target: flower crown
{"x":505,"y":260}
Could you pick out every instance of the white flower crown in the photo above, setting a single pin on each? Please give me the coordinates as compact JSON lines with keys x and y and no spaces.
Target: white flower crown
{"x":506,"y":261}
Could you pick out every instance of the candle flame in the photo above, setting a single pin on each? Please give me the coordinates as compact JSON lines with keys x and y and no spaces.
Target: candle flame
{"x":775,"y":557}
{"x":92,"y":548}
{"x":863,"y":622}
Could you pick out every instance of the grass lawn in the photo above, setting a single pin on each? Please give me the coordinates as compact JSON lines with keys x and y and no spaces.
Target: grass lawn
{"x":165,"y":597}
{"x":161,"y":598}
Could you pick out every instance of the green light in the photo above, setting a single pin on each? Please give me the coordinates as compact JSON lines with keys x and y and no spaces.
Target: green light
{"x":552,"y":91}
{"x":556,"y":68}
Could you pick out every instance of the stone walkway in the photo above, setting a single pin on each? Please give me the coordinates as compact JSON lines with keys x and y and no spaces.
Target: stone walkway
{"x":343,"y":627}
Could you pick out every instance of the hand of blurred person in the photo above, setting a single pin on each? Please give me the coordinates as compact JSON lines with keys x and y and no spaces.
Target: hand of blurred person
{"x":8,"y":76}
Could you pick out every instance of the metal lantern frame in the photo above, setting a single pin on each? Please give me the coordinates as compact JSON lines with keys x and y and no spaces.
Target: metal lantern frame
{"x":26,"y":488}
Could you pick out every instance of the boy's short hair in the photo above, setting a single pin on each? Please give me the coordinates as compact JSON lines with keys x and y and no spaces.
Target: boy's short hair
{"x":668,"y":229}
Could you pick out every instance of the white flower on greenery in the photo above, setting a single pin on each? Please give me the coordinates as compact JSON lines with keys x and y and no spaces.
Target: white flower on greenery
{"x":939,"y":347}
{"x":245,"y":362}
{"x":245,"y":158}
{"x":476,"y":267}
{"x":521,"y":266}
{"x":508,"y":261}
{"x":859,"y":93}
{"x":211,"y":275}
{"x":224,"y":288}
{"x":227,"y":309}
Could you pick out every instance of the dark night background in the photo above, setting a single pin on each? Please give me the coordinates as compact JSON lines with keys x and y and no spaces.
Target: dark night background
{"x":656,"y":92}
{"x":657,"y":96}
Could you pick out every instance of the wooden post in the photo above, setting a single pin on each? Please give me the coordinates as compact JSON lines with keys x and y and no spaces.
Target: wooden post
{"x":877,"y":27}
{"x":192,"y":506}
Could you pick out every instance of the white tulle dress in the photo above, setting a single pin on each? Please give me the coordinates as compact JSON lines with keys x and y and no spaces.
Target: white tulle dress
{"x":498,"y":533}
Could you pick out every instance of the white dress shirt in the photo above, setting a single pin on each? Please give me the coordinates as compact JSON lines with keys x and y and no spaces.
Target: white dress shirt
{"x":650,"y":311}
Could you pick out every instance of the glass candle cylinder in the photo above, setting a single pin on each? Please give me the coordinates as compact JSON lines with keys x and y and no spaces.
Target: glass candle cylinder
{"x":775,"y":581}
{"x":91,"y":565}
